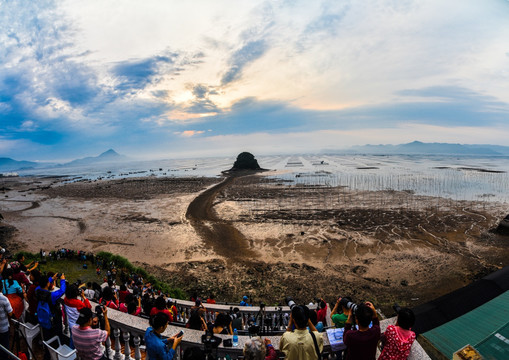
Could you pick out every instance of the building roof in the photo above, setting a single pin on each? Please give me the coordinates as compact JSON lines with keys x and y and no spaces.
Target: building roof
{"x":486,"y":328}
{"x":495,"y":346}
{"x":461,"y":301}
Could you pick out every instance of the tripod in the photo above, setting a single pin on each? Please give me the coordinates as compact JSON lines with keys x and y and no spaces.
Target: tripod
{"x":261,"y":316}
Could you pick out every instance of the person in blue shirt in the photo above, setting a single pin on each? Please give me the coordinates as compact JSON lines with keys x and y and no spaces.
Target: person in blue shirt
{"x":244,"y":301}
{"x":157,"y":347}
{"x":46,"y":292}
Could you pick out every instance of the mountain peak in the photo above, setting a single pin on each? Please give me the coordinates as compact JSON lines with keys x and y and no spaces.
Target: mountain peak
{"x":109,"y":153}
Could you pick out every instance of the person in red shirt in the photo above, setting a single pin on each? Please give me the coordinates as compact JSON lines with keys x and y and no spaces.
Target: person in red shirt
{"x":109,"y":298}
{"x":397,"y":340}
{"x":211,"y":299}
{"x":73,"y":305}
{"x":160,"y":307}
{"x":122,"y":294}
{"x":321,"y":312}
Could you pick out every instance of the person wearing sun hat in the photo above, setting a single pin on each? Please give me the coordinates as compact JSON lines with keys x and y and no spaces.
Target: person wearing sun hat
{"x":88,"y":341}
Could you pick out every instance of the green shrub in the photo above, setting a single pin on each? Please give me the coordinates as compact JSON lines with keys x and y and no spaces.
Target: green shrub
{"x":120,"y":262}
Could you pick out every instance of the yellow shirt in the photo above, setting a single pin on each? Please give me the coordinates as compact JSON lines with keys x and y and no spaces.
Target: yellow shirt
{"x":299,"y":345}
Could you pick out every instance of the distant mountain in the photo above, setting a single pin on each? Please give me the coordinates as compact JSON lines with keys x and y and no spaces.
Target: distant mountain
{"x":8,"y":164}
{"x":106,"y":157}
{"x":418,"y":147}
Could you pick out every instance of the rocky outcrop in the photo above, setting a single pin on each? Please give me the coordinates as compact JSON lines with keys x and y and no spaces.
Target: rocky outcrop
{"x":503,"y":226}
{"x":246,"y":161}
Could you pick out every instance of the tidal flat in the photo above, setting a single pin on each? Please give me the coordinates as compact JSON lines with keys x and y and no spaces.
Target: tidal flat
{"x":264,"y":237}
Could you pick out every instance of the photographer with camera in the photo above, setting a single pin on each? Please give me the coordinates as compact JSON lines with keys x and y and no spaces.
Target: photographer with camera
{"x":301,"y":343}
{"x":88,"y":340}
{"x":157,"y":347}
{"x":222,"y":325}
{"x":237,"y":319}
{"x":361,"y":343}
{"x":339,"y":319}
{"x":73,"y":305}
{"x":49,"y":312}
{"x":321,"y":312}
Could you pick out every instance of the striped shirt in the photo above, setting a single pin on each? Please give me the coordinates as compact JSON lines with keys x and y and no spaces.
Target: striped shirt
{"x":87,"y":342}
{"x":5,"y":310}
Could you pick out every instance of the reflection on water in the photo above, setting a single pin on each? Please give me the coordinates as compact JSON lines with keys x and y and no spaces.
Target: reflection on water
{"x":459,"y":178}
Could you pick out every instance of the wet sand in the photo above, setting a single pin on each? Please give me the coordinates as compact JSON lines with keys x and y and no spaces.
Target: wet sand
{"x":248,"y":235}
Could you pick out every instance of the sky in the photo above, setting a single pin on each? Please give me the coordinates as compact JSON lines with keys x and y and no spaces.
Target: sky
{"x":171,"y":79}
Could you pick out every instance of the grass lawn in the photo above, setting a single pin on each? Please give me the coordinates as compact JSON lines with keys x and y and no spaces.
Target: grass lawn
{"x":73,"y":270}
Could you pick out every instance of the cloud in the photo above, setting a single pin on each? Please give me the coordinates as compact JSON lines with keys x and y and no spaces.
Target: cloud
{"x":200,"y":91}
{"x":242,"y":57}
{"x":72,"y":80}
{"x":441,"y":106}
{"x":189,"y":133}
{"x":137,"y":74}
{"x":28,"y":125}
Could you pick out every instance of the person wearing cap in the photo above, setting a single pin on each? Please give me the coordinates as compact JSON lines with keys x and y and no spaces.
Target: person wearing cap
{"x":87,"y":340}
{"x":157,"y":347}
{"x":244,"y":301}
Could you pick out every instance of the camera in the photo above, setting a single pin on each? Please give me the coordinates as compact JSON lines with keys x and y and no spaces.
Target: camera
{"x":210,"y":342}
{"x":99,"y":311}
{"x":289,"y":301}
{"x":234,"y":316}
{"x":348,"y":305}
{"x":253,"y":330}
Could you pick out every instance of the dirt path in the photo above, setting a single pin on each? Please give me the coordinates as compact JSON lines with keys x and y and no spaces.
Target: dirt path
{"x":218,"y":234}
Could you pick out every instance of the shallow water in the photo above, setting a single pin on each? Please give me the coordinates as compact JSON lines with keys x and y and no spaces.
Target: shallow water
{"x":456,"y":177}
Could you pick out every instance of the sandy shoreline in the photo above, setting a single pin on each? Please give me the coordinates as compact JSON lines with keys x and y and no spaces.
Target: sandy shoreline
{"x":304,"y":242}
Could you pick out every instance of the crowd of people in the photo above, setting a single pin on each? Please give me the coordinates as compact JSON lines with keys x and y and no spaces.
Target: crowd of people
{"x":49,"y":300}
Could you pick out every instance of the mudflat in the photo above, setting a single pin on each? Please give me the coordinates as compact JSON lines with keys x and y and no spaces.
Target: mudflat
{"x":250,"y":235}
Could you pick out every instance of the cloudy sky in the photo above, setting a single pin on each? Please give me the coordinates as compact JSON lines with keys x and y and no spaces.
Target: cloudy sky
{"x":171,"y":78}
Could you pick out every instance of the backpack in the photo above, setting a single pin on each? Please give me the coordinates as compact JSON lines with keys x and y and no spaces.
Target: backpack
{"x":45,"y":313}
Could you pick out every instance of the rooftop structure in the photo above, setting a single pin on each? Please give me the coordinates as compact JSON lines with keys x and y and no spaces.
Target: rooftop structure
{"x":485,"y":328}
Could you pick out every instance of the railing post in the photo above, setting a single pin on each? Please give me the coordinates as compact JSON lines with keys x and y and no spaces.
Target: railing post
{"x":177,"y":352}
{"x":127,"y":349}
{"x":118,"y":355}
{"x":108,"y":349}
{"x":137,"y":352}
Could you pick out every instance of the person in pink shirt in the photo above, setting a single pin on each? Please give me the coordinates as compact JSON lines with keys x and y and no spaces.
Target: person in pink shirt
{"x":132,"y":305}
{"x":87,"y":340}
{"x":397,"y":340}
